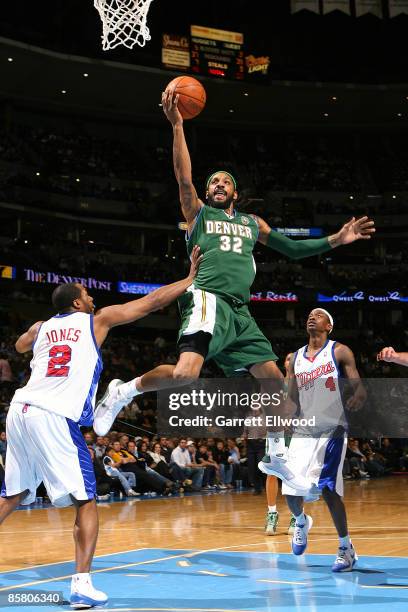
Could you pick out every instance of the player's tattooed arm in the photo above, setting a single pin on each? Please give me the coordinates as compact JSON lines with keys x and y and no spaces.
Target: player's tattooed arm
{"x":345,"y":358}
{"x":25,"y":341}
{"x":190,"y":203}
{"x":121,"y":314}
{"x":390,"y":355}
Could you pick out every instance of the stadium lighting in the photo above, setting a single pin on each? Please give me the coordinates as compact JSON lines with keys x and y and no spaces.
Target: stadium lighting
{"x":394,"y":197}
{"x":10,"y":59}
{"x":399,"y":114}
{"x":351,"y":197}
{"x":37,"y":174}
{"x":334,"y":98}
{"x":85,"y":74}
{"x":78,"y":180}
{"x":246,"y":93}
{"x":231,"y":110}
{"x":63,"y":91}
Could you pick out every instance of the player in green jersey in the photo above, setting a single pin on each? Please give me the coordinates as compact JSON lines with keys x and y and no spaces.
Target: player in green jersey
{"x":215,"y":319}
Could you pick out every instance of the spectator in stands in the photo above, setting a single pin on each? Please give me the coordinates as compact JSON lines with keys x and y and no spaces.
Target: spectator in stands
{"x":3,"y":446}
{"x":167,"y":447}
{"x":127,"y":462}
{"x":124,"y":439}
{"x":222,"y":457}
{"x":141,"y":452}
{"x":6,"y":375}
{"x":403,"y":460}
{"x":159,"y":463}
{"x":126,"y":479}
{"x":389,"y":453}
{"x":357,"y":459}
{"x":375,"y":463}
{"x":211,"y":468}
{"x":181,"y":457}
{"x":89,"y":439}
{"x":100,"y":447}
{"x":104,"y":483}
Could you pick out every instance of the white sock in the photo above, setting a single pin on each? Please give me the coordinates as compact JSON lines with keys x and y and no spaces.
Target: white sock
{"x":129,"y":389}
{"x":345,"y":542}
{"x":272,"y":508}
{"x":275,"y":444}
{"x":300,"y":519}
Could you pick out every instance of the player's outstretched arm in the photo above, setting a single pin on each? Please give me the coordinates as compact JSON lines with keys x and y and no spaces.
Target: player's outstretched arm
{"x":25,"y":341}
{"x":345,"y":358}
{"x":190,"y":203}
{"x":391,"y":356}
{"x":120,"y":314}
{"x":355,"y":229}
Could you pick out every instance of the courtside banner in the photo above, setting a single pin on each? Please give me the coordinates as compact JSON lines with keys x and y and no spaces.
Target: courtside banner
{"x":318,"y":405}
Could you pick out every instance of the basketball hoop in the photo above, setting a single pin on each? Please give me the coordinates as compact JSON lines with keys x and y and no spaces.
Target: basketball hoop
{"x":124,"y":22}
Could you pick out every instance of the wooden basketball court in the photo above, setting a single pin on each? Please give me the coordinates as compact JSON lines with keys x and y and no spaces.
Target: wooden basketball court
{"x":170,"y":554}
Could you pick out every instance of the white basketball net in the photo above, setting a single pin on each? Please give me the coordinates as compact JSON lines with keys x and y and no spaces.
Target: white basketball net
{"x":124,"y":22}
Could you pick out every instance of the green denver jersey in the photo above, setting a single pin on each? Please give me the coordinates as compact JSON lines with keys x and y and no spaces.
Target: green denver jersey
{"x":228,"y":267}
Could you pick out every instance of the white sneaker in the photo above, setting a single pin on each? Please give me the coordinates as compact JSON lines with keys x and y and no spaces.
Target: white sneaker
{"x":299,"y":538}
{"x":345,"y":560}
{"x":275,"y":466}
{"x":108,"y":408}
{"x":103,"y":497}
{"x":84,"y":595}
{"x":132,"y":493}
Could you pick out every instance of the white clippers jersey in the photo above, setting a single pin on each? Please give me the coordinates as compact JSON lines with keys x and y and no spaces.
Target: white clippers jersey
{"x":318,"y":385}
{"x":65,"y":368}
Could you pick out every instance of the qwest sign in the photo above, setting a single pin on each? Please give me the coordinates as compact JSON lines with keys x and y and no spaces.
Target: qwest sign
{"x":362,"y":296}
{"x":58,"y":279}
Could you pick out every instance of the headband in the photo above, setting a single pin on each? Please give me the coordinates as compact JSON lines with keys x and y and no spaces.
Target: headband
{"x":328,"y":316}
{"x":225,"y":172}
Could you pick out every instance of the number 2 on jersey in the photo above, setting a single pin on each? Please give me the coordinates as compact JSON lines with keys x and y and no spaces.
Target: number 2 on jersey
{"x":228,"y":244}
{"x":60,"y":356}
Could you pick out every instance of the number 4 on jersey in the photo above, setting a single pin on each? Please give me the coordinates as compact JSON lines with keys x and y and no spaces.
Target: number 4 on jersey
{"x":330,"y":384}
{"x":60,"y":356}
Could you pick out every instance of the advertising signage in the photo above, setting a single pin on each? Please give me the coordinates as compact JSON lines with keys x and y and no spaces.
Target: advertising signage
{"x":304,"y":232}
{"x":271,"y":296}
{"x":136,"y":288}
{"x":7,"y":271}
{"x":363,"y":296}
{"x":55,"y":278}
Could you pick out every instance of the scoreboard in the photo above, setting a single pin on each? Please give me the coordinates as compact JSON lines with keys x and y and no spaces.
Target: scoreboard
{"x":217,"y":52}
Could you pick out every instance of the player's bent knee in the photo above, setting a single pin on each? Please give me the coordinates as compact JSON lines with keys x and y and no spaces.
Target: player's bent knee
{"x":185,"y":375}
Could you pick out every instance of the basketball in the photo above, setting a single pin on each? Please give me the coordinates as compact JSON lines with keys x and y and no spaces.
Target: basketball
{"x":192,"y":96}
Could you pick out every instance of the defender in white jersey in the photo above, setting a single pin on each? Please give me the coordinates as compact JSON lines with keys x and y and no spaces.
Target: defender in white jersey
{"x":318,"y":457}
{"x":45,"y":442}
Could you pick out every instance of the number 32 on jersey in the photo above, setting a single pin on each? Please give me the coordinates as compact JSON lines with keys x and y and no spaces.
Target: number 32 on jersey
{"x":231,"y":243}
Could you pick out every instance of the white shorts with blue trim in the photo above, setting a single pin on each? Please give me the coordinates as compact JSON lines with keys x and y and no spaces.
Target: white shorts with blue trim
{"x":320,"y":460}
{"x":45,"y":446}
